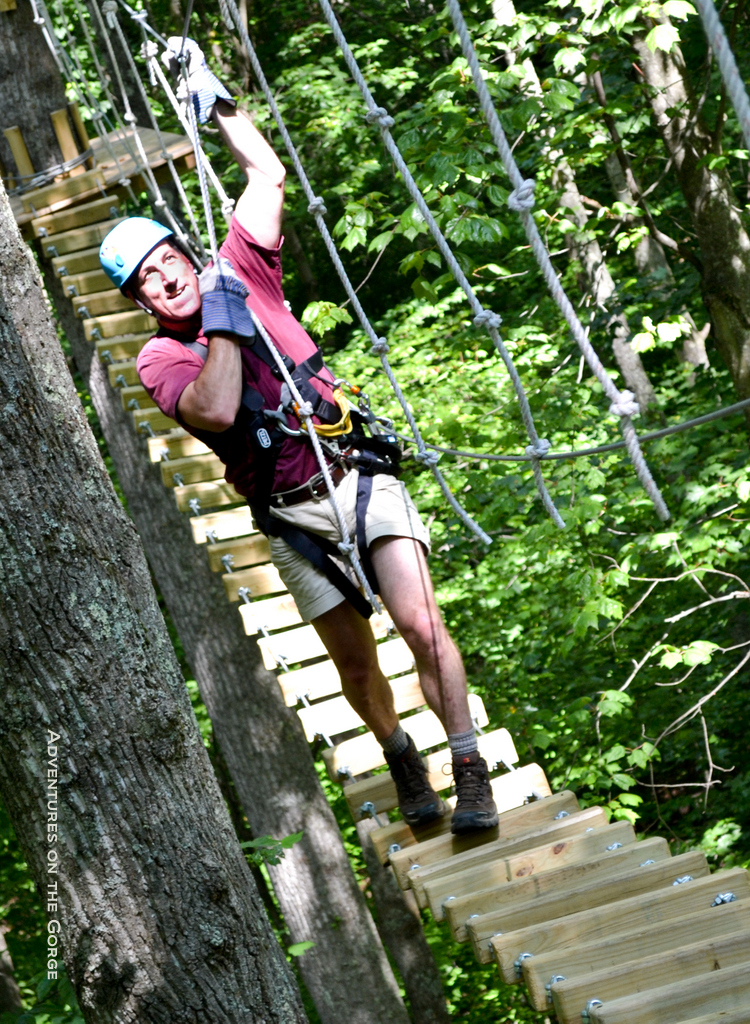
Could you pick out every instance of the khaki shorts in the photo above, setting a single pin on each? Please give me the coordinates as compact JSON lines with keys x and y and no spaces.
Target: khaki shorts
{"x":390,"y":513}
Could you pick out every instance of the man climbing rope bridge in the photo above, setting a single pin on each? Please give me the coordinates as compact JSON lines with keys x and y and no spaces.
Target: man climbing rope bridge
{"x":213,"y":366}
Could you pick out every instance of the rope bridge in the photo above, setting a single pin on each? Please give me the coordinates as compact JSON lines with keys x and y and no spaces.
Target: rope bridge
{"x":599,"y":925}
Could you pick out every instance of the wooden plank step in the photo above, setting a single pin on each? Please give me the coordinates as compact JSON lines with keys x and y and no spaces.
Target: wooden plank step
{"x":261,"y":580}
{"x":192,"y":469}
{"x":509,"y":791}
{"x":514,"y":822}
{"x":135,"y":397}
{"x":363,"y":753}
{"x":76,"y":262}
{"x":722,"y":1017}
{"x":232,"y":522}
{"x":88,"y":283}
{"x":502,"y":868}
{"x":123,"y":375}
{"x":77,"y":239}
{"x":316,"y":681}
{"x":660,"y":937}
{"x":335,"y":716}
{"x":506,"y":898}
{"x":302,"y":644}
{"x":728,"y":989}
{"x":54,"y":197}
{"x":76,"y":216}
{"x":130,"y":322}
{"x":177,"y":444}
{"x":650,"y":972}
{"x":125,"y":346}
{"x":605,"y":922}
{"x":496,"y":747}
{"x":210,"y":493}
{"x":110,"y":300}
{"x":433,"y":884}
{"x":154,"y":417}
{"x":246,"y":551}
{"x":270,"y":613}
{"x":633,"y":882}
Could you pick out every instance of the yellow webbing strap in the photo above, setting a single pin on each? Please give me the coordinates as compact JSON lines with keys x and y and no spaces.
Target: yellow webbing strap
{"x":343,"y":426}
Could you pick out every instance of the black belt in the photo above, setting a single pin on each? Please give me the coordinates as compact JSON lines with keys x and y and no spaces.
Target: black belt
{"x":316,"y":487}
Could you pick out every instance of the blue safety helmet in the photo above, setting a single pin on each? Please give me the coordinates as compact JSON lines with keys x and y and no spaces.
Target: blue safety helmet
{"x":128,"y":244}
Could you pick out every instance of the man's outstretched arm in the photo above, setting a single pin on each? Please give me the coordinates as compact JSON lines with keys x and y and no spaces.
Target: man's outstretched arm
{"x":259,"y":207}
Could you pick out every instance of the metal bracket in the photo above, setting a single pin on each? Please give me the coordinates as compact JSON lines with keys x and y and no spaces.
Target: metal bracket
{"x":120,"y":381}
{"x":590,"y":1005}
{"x":548,"y":987}
{"x":82,"y":313}
{"x":52,"y":251}
{"x":71,"y":291}
{"x":562,"y":814}
{"x":134,"y":404}
{"x":106,"y":357}
{"x":394,"y":848}
{"x":178,"y":480}
{"x":614,"y":846}
{"x":682,"y":880}
{"x":210,"y":534}
{"x":227,"y":561}
{"x":724,"y":897}
{"x":146,"y":428}
{"x":368,"y":810}
{"x":517,"y":963}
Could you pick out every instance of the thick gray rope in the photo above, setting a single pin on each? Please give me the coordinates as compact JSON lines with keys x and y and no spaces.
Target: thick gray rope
{"x":227,"y":204}
{"x":213,"y":245}
{"x":654,"y":435}
{"x":110,"y":9}
{"x":521,"y":200}
{"x":379,"y":345}
{"x":727,"y":65}
{"x":482,"y":317}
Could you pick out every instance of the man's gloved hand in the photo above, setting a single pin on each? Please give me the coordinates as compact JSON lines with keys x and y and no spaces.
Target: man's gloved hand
{"x":223,"y":297}
{"x":202,"y":84}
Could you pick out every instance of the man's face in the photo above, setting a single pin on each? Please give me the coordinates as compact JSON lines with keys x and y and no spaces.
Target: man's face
{"x":167,"y":284}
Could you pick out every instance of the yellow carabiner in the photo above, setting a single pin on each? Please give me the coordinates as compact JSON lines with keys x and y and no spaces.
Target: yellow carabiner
{"x":343,"y":426}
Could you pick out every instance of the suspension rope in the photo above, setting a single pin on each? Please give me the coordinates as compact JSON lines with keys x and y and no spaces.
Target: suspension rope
{"x":730,"y":74}
{"x":654,"y":435}
{"x":482,"y":317}
{"x":317,"y":208}
{"x":110,"y":8}
{"x":521,"y":200}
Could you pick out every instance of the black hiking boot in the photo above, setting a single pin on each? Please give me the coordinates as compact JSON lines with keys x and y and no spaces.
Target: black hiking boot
{"x":417,"y":800}
{"x":475,"y":808}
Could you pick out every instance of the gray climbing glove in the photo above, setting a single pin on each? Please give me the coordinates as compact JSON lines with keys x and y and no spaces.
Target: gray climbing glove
{"x":223,"y":306}
{"x":203,"y":86}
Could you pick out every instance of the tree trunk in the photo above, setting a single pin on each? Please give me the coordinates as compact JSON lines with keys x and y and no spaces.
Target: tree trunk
{"x":102,"y":768}
{"x":596,"y":281}
{"x":401,"y":930}
{"x":716,"y":213}
{"x":10,"y":997}
{"x":24,"y":104}
{"x":346,"y":971}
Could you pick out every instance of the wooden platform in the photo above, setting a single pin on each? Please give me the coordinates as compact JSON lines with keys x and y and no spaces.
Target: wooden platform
{"x":105,"y":175}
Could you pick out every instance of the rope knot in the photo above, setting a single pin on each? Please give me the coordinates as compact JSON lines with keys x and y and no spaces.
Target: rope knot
{"x":149,"y":49}
{"x":429,"y":459}
{"x":625,"y":405}
{"x":380,"y":347}
{"x":125,"y":182}
{"x":539,"y":449}
{"x":345,"y":547}
{"x":305,"y":409}
{"x":317,"y":205}
{"x":160,"y":204}
{"x":129,"y":117}
{"x":140,"y":16}
{"x":39,"y":21}
{"x":487,"y":319}
{"x":380,"y":117}
{"x":109,"y":10}
{"x":521,"y":199}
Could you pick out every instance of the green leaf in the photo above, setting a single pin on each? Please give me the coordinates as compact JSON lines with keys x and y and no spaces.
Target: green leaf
{"x":568,"y":60}
{"x":662,"y":37}
{"x":679,"y":9}
{"x":299,"y":948}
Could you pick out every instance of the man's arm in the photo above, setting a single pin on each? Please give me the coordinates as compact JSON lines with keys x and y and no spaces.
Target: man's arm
{"x":259,"y":206}
{"x":211,"y":401}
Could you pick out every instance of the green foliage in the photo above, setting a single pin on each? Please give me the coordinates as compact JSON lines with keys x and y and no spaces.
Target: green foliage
{"x":265,"y":850}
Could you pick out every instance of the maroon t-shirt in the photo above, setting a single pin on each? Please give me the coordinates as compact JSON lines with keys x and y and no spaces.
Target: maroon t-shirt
{"x":166,"y":367}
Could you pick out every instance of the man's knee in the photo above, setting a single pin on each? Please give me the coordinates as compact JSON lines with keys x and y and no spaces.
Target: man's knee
{"x":424,"y":632}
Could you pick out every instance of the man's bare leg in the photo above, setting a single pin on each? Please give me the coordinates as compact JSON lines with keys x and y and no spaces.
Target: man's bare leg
{"x":349,"y":640}
{"x":406,"y":590}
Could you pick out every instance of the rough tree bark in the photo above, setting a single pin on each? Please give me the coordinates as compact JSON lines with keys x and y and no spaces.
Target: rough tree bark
{"x":723,"y":241}
{"x":22,"y":46}
{"x":10,"y":997}
{"x":102,"y":768}
{"x":346,"y":972}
